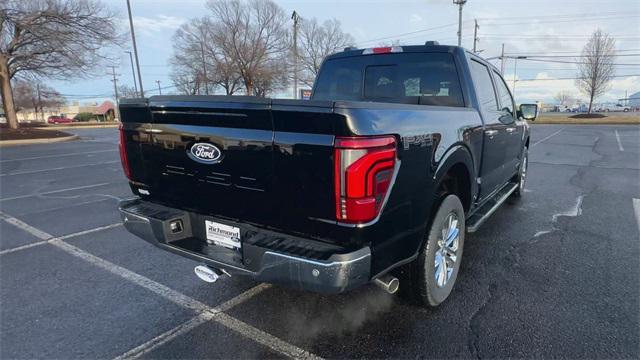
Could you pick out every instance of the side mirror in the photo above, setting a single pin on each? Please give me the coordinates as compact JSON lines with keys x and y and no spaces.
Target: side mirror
{"x":528,"y":111}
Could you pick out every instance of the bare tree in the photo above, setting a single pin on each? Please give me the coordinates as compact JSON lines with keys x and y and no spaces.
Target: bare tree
{"x":32,"y":95}
{"x":563,"y":97}
{"x":596,"y":66}
{"x":126,"y":91}
{"x":51,"y":38}
{"x":253,"y":36}
{"x":197,"y":60}
{"x":317,"y":41}
{"x":185,"y":81}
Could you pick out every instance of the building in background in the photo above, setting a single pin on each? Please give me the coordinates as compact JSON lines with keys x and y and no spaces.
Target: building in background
{"x":634,"y":100}
{"x":97,"y":112}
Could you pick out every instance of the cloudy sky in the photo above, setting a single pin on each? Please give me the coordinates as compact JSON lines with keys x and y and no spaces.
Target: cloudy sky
{"x":552,"y":30}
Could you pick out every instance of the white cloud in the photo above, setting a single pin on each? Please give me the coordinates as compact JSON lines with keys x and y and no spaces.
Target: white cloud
{"x":158,"y":24}
{"x":415,"y":18}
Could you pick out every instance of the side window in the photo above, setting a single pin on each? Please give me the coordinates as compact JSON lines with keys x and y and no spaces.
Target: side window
{"x":506,"y":101}
{"x":484,"y":88}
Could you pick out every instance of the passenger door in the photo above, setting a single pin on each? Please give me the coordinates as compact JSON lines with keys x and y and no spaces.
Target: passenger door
{"x":492,"y":168}
{"x":515,"y":127}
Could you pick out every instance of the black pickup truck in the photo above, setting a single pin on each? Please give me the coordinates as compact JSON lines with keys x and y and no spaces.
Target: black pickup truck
{"x":399,"y":153}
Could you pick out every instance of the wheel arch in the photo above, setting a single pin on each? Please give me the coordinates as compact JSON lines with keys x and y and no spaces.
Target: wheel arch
{"x":455,"y":174}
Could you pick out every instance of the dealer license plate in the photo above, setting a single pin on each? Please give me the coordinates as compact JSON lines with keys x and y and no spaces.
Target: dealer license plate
{"x":223,"y":235}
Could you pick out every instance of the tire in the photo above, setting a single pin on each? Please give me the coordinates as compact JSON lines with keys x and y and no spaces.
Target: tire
{"x":424,"y":286}
{"x":522,"y":174}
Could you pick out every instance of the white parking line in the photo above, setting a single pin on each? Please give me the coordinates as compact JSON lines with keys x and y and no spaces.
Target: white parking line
{"x":166,"y":336}
{"x":191,"y":324}
{"x":55,"y":191}
{"x":546,"y":138}
{"x":58,"y":168}
{"x":240,"y":327}
{"x":619,"y":142}
{"x":176,"y":297}
{"x":60,"y":155}
{"x":26,"y":227}
{"x":636,"y":209}
{"x":84,"y":232}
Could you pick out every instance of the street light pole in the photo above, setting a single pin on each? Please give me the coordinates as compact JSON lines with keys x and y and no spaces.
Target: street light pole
{"x":460,"y":3}
{"x":133,"y":72}
{"x":295,"y":18}
{"x":135,"y":48}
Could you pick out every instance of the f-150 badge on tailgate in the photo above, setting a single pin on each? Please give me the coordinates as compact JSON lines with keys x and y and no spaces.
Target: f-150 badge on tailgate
{"x":205,"y":153}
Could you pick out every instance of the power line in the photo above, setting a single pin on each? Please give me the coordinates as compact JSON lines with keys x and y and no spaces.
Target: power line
{"x":571,"y":56}
{"x":563,"y":16}
{"x":560,"y":20}
{"x":573,"y":78}
{"x":408,"y":33}
{"x":571,"y":62}
{"x":566,"y":52}
{"x":618,"y":36}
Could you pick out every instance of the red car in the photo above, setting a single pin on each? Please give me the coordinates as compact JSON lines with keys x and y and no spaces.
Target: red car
{"x":59,"y":120}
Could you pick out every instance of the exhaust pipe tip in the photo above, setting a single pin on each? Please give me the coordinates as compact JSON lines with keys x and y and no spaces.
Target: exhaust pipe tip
{"x":207,"y":274}
{"x":388,"y":283}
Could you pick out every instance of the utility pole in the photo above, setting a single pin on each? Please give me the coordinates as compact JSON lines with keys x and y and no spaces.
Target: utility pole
{"x":515,"y":73}
{"x":159,"y":88}
{"x":115,"y":89}
{"x":295,"y":18}
{"x":133,"y":72}
{"x":135,"y":48}
{"x":502,"y":60}
{"x":39,"y":103}
{"x":475,"y":36}
{"x":204,"y":69}
{"x":460,"y":4}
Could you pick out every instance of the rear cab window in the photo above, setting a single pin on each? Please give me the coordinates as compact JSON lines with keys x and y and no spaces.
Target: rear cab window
{"x":411,"y":78}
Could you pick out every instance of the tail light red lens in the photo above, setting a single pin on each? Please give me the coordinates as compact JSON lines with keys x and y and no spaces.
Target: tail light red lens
{"x":363,"y":171}
{"x":123,"y":153}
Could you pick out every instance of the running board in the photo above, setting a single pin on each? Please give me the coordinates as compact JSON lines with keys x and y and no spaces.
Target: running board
{"x":480,"y":216}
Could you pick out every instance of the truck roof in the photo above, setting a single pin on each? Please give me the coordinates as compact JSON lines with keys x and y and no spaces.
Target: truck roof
{"x":348,"y":52}
{"x":351,"y":52}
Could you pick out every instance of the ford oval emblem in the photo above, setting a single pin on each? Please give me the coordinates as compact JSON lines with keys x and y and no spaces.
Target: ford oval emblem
{"x":205,"y":153}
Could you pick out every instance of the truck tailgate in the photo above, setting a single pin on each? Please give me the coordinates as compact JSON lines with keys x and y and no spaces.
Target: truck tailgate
{"x":271,"y":170}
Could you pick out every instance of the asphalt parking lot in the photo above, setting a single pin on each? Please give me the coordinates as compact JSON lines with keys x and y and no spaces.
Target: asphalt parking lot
{"x":555,"y":275}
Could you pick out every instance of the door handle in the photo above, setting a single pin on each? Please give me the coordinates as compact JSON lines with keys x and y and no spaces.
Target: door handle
{"x":491,"y":132}
{"x":152,"y":131}
{"x":511,"y":130}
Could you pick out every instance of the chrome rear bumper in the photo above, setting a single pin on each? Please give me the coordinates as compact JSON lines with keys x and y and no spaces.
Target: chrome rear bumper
{"x":336,"y":273}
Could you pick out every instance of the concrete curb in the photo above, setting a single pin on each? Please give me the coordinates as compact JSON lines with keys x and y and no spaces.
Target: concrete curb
{"x":6,"y":143}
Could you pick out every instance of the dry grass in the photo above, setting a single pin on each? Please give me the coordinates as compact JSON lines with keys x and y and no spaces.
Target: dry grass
{"x":610,"y":119}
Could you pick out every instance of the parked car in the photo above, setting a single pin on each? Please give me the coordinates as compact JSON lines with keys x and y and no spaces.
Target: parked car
{"x":618,"y":108}
{"x":59,"y":120}
{"x":399,"y":152}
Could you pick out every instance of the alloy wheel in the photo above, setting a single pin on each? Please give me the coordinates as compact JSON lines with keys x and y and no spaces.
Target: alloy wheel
{"x":446,"y":255}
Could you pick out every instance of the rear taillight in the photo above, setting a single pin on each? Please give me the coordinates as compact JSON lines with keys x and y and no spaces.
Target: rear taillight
{"x":123,"y":153}
{"x":364,"y":168}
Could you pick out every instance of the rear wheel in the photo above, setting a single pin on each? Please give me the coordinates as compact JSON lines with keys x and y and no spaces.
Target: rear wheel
{"x":435,"y":271}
